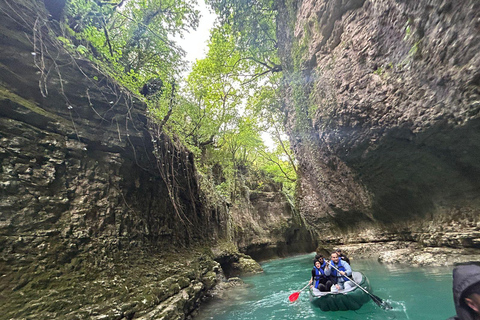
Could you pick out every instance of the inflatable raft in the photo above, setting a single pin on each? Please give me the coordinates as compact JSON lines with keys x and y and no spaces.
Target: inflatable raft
{"x":351,"y":299}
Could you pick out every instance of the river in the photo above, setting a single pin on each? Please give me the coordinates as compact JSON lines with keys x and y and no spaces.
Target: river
{"x":415,"y":293}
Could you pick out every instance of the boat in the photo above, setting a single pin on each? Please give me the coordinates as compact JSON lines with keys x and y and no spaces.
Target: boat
{"x":343,"y":300}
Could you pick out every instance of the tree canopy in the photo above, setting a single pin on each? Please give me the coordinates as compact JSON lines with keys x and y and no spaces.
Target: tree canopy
{"x":133,"y":37}
{"x":229,"y":99}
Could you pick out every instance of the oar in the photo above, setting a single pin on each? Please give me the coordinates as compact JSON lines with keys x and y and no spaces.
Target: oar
{"x":294,"y":296}
{"x":382,"y":304}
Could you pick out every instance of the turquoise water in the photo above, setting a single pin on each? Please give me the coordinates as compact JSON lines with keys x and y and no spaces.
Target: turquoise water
{"x":414,"y":293}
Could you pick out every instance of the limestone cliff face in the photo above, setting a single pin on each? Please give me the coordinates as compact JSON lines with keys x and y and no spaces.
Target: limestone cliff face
{"x":79,"y":161}
{"x":383,"y":101}
{"x":92,"y":197}
{"x":101,"y":215}
{"x":267,"y":225}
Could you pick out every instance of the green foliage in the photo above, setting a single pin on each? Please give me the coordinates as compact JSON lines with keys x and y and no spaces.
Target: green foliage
{"x":379,"y":71}
{"x":253,"y":22}
{"x":408,"y":29}
{"x":210,"y":102}
{"x":131,"y":38}
{"x":414,"y":50}
{"x":66,"y":42}
{"x":223,"y":109}
{"x":229,"y":99}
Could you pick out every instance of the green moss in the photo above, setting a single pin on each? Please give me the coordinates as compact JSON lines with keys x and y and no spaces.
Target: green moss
{"x":291,"y":6}
{"x":226,"y":247}
{"x":134,"y":283}
{"x":415,"y":49}
{"x":6,"y":94}
{"x":209,"y":279}
{"x":379,"y":71}
{"x":408,"y":29}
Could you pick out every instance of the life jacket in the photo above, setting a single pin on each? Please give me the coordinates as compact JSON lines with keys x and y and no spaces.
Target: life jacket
{"x":319,"y":273}
{"x":339,"y":267}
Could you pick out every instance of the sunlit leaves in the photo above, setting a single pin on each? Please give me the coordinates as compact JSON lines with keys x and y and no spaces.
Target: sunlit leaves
{"x":233,"y":97}
{"x":229,"y":98}
{"x":134,"y":36}
{"x":254,"y":24}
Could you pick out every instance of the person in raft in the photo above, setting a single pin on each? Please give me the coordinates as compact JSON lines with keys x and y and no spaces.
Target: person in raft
{"x":319,"y":280}
{"x":339,"y":280}
{"x":342,"y":256}
{"x":466,"y":291}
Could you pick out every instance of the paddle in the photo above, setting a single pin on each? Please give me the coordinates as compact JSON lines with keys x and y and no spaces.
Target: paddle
{"x":294,"y":296}
{"x":382,"y":304}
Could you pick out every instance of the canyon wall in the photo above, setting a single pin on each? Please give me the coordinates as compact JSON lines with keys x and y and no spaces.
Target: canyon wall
{"x":267,"y":224}
{"x":383,"y":101}
{"x":100,"y":213}
{"x":102,"y":216}
{"x":79,"y":158}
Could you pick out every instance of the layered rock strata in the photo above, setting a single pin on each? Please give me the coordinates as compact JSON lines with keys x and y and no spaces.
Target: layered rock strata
{"x":92,"y":195}
{"x":267,"y":224}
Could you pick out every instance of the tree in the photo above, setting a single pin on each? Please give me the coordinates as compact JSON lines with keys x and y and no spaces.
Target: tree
{"x":133,"y":37}
{"x":213,"y":94}
{"x":228,"y":99}
{"x":254,"y":24}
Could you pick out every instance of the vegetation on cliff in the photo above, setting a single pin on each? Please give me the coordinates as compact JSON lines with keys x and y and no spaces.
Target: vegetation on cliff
{"x":97,"y":196}
{"x":228,"y":100}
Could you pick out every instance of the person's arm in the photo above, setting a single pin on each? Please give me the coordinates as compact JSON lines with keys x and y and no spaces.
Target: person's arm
{"x":348,"y":269}
{"x":313,"y":277}
{"x":327,"y":269}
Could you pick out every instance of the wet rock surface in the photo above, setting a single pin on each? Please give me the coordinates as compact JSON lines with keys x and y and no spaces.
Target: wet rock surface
{"x":409,"y":252}
{"x":233,"y":262}
{"x":140,"y":284}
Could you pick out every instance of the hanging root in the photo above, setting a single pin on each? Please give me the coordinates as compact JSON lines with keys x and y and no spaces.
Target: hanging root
{"x":167,"y":155}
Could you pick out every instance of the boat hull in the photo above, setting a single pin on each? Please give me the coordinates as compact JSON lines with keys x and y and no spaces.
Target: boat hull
{"x":343,"y":301}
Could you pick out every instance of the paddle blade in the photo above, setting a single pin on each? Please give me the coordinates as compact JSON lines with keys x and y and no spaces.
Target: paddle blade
{"x":294,"y":296}
{"x":382,"y":304}
{"x":386,"y":306}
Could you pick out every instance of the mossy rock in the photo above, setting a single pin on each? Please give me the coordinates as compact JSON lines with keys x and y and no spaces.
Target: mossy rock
{"x":248,"y":266}
{"x":183,"y":282}
{"x":209,"y":280}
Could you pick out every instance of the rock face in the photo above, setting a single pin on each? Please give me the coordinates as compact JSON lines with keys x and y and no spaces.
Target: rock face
{"x":383,"y":101}
{"x":101,"y":215}
{"x":267,"y":225}
{"x":90,"y":191}
{"x":78,"y":159}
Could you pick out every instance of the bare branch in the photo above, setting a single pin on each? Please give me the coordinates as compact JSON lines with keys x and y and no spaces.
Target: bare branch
{"x":266,"y":156}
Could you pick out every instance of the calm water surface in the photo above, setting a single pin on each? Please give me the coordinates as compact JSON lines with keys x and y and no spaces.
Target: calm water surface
{"x":414,"y":293}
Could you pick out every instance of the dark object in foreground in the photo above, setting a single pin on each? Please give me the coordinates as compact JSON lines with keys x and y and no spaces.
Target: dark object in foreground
{"x":466,"y":291}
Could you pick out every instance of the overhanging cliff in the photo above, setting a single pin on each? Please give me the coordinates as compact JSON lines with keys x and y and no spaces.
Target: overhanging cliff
{"x":383,"y":101}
